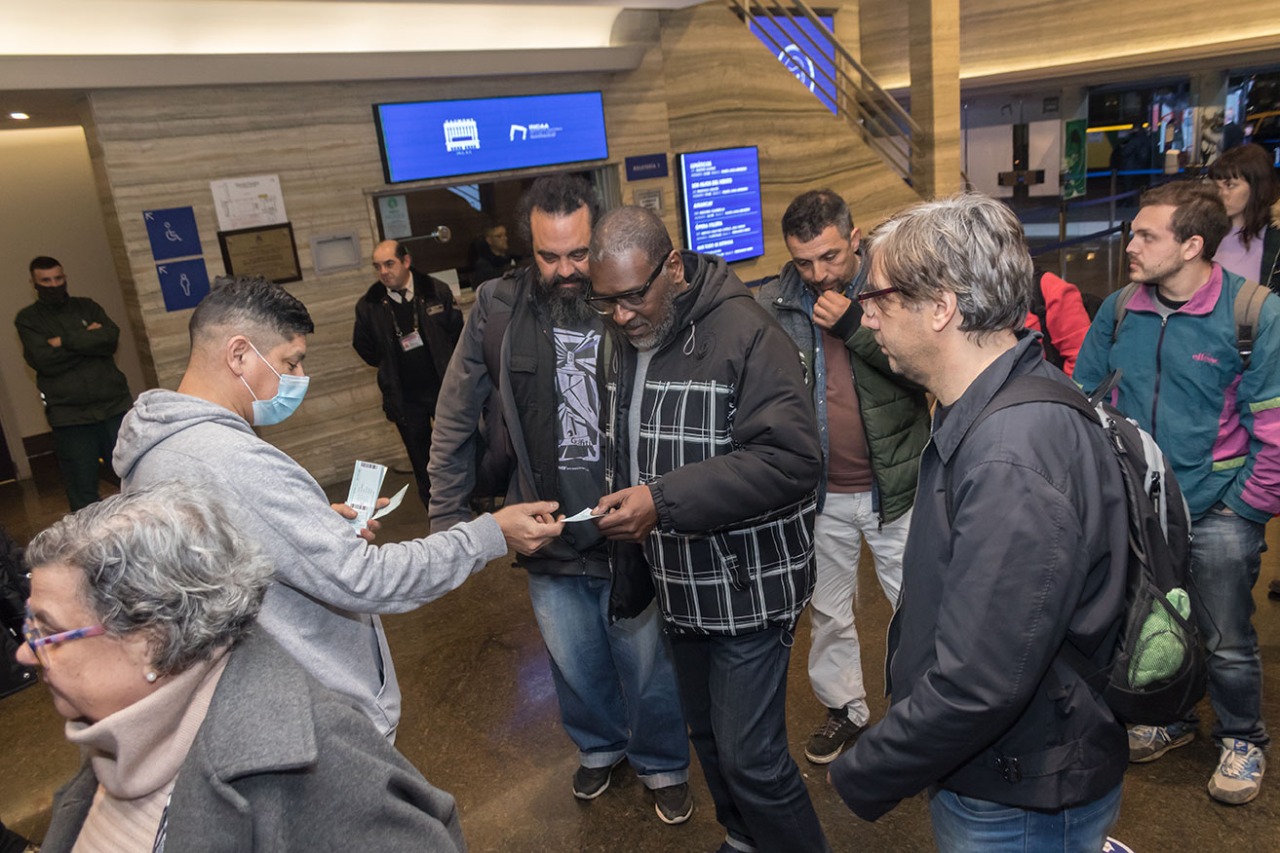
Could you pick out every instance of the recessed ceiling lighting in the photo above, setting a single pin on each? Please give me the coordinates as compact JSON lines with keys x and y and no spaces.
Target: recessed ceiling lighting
{"x":19,"y":116}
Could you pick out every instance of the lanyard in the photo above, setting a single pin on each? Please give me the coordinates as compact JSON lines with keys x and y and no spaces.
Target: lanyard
{"x":413,"y":311}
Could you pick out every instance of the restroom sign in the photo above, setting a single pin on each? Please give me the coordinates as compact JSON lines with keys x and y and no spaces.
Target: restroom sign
{"x":172,"y":232}
{"x":183,"y":283}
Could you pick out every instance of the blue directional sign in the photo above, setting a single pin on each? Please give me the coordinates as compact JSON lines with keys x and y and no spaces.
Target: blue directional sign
{"x":172,"y":232}
{"x":183,"y":283}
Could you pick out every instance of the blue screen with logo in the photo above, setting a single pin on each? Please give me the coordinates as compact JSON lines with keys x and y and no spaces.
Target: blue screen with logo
{"x":440,"y":139}
{"x":805,"y":51}
{"x":720,"y":192}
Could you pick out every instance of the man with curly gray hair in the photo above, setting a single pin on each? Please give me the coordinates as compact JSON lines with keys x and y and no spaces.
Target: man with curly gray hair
{"x":199,"y":733}
{"x":1017,"y":547}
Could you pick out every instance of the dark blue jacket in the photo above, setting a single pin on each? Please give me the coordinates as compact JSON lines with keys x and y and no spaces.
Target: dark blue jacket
{"x":982,"y":703}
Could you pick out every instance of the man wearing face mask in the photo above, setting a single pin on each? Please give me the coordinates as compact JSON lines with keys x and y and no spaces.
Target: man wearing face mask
{"x":248,"y":342}
{"x":527,"y":375}
{"x":70,"y":342}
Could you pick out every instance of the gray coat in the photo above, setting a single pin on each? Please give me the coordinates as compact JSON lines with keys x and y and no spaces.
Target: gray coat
{"x":280,"y":763}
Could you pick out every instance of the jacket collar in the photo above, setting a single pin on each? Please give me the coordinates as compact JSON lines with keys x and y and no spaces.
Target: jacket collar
{"x":950,"y":425}
{"x":1202,"y":302}
{"x":261,"y":719}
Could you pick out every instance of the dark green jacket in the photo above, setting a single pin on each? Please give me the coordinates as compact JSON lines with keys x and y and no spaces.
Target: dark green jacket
{"x":79,"y":380}
{"x":895,"y":415}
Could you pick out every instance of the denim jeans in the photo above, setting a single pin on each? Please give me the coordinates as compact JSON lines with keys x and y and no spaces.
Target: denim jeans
{"x":966,"y":825}
{"x":1226,"y":552}
{"x":615,"y":683}
{"x":835,"y":655}
{"x":734,"y":693}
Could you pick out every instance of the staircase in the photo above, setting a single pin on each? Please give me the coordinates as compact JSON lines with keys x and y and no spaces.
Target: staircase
{"x":801,"y":39}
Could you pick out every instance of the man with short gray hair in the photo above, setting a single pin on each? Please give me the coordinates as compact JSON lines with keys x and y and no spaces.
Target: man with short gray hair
{"x":1018,"y":545}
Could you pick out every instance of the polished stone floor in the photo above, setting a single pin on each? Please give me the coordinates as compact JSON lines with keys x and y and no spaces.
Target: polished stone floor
{"x":480,"y":721}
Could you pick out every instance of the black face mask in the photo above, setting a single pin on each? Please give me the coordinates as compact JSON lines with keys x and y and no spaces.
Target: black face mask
{"x":52,"y":295}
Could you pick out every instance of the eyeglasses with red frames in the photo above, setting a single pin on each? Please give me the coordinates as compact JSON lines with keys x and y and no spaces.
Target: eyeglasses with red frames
{"x":866,"y":295}
{"x":39,"y":642}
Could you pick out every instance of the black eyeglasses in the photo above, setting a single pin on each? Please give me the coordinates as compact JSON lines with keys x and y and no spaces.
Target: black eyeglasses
{"x":604,"y":305}
{"x":874,"y":294}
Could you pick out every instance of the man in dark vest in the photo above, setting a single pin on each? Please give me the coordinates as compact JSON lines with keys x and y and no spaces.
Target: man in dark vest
{"x":531,"y":358}
{"x":407,"y":326}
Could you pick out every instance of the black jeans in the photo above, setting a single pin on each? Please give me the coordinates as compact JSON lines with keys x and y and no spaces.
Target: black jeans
{"x":734,"y":692}
{"x":79,"y":449}
{"x":415,"y":432}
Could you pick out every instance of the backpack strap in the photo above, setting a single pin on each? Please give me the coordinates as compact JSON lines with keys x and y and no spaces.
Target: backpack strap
{"x":1019,"y":390}
{"x":1248,"y":306}
{"x":1041,"y":311}
{"x":1121,"y":307}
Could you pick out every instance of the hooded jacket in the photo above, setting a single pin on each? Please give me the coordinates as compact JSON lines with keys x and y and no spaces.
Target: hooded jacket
{"x":79,"y":380}
{"x":328,"y":580}
{"x":895,"y":415}
{"x":729,"y":449}
{"x":374,"y":335}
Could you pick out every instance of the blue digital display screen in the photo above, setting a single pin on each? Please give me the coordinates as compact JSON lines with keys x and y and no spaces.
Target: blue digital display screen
{"x":805,"y":51}
{"x":441,"y":139}
{"x":720,"y":192}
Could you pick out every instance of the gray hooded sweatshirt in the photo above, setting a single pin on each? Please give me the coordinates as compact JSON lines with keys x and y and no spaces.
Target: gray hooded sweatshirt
{"x":329,"y":582}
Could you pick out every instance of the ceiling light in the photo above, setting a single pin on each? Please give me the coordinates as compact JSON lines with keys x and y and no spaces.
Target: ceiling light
{"x":19,"y":116}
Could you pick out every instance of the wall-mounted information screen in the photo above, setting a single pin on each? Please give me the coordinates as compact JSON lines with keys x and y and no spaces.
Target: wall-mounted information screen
{"x":441,"y":139}
{"x":720,"y":194}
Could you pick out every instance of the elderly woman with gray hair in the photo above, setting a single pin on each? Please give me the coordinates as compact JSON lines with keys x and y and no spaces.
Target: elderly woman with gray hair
{"x":199,"y":732}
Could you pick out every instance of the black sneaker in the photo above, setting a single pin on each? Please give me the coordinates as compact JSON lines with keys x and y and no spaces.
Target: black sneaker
{"x":591,"y":782}
{"x":830,"y":738}
{"x":673,"y":803}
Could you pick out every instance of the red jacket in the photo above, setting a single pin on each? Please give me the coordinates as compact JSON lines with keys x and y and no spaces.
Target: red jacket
{"x":1068,"y":321}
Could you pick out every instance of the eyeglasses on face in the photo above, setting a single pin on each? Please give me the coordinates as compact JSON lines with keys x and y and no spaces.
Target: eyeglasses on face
{"x":634,"y":298}
{"x":39,"y":642}
{"x":867,"y":295}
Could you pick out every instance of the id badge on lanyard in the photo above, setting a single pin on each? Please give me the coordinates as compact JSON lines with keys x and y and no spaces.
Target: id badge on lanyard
{"x":411,"y":341}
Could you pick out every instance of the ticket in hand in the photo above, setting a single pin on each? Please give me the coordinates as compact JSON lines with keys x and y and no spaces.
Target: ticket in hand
{"x":585,"y":515}
{"x":366,"y":484}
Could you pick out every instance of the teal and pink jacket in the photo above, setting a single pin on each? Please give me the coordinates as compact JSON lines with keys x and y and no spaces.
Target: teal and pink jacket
{"x":1182,"y":382}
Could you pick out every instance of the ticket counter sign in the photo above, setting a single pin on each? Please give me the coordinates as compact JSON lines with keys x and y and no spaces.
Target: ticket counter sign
{"x":720,"y":196}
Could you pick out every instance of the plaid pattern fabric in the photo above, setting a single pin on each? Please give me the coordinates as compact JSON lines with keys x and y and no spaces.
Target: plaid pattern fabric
{"x":734,"y":580}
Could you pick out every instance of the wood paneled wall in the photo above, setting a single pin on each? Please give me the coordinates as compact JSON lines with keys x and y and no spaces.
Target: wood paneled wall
{"x":723,"y":91}
{"x":1005,"y":36}
{"x":704,"y":82}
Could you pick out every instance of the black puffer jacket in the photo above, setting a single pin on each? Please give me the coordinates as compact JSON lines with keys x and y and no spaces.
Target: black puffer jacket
{"x":729,"y":448}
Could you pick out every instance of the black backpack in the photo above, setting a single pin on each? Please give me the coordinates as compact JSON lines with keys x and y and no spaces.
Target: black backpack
{"x":1157,"y":672}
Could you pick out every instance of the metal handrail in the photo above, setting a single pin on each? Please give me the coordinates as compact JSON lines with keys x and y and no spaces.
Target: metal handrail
{"x":881,"y":122}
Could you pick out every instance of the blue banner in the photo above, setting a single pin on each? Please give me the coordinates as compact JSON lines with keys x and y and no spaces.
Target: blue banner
{"x":805,"y":51}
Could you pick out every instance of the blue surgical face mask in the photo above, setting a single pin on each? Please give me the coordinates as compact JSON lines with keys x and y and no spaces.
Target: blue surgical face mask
{"x":286,"y":401}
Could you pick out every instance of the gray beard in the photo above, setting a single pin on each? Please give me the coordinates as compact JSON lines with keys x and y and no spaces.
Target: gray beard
{"x":663,"y":332}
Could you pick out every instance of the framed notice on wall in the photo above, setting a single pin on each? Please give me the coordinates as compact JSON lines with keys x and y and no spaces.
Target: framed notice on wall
{"x":268,"y":251}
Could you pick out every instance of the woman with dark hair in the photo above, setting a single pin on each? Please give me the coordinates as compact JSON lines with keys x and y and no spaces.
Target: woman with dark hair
{"x":1246,"y":180}
{"x":198,"y":730}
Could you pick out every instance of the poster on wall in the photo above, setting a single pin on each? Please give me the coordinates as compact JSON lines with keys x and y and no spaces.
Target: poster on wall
{"x":1075,"y":158}
{"x":248,"y":202}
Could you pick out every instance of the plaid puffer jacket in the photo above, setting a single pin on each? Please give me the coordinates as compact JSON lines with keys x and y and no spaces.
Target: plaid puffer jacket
{"x":729,"y":447}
